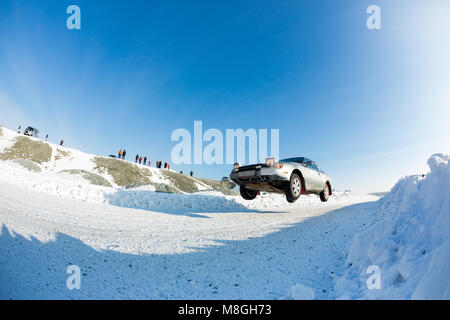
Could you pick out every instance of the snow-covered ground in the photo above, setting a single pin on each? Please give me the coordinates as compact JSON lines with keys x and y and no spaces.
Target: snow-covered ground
{"x":134,"y":253}
{"x":137,"y":243}
{"x":140,"y":244}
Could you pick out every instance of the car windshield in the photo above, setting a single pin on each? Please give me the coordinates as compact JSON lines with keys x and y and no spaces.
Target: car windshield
{"x":297,"y":160}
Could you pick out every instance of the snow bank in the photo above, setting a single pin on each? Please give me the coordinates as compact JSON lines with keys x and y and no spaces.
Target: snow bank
{"x":410,"y":242}
{"x":144,"y":197}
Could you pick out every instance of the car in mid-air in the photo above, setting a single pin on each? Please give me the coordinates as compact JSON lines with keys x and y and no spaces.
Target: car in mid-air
{"x":291,"y":176}
{"x":31,"y":132}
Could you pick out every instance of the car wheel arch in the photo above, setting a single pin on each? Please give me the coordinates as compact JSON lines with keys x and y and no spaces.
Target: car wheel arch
{"x":299,"y":173}
{"x":328,"y":184}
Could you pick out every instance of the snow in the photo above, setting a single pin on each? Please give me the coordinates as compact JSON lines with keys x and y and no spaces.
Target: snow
{"x":140,"y":244}
{"x":145,"y":254}
{"x":409,"y":241}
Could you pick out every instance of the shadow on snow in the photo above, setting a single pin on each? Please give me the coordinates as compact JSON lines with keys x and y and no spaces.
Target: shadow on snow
{"x":255,"y":268}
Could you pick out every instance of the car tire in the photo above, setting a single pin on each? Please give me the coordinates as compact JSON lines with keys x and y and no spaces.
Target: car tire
{"x":325,"y":194}
{"x":293,"y":188}
{"x":247,"y":194}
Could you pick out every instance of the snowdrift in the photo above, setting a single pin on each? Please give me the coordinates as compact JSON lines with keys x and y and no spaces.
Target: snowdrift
{"x":409,"y":242}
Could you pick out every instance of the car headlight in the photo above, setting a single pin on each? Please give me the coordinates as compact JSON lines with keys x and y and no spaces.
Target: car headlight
{"x":277,"y":165}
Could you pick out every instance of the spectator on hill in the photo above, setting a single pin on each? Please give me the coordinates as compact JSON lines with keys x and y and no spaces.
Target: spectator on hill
{"x":137,"y":158}
{"x":61,"y":142}
{"x":46,"y":137}
{"x":123,"y":154}
{"x":18,"y":131}
{"x":168,"y":166}
{"x":149,"y":163}
{"x":165,"y":165}
{"x":191,"y":173}
{"x":140,"y":159}
{"x":120,"y":154}
{"x":145,"y":160}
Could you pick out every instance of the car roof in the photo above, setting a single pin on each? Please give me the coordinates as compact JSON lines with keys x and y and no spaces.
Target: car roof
{"x":293,"y":159}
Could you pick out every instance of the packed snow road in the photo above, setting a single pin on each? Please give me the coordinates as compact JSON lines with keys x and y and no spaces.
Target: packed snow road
{"x":131,"y":253}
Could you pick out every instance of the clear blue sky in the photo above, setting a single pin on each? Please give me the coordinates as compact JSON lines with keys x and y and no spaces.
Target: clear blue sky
{"x":368,"y":105}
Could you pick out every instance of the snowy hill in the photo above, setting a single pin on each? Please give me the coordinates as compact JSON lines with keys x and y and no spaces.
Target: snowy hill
{"x":40,"y":156}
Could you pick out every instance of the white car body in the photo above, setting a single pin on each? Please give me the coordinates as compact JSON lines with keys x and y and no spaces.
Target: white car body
{"x":274,"y":177}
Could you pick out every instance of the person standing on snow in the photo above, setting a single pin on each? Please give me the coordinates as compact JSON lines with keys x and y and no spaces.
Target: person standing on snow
{"x":61,"y":142}
{"x":165,"y":165}
{"x":137,"y":158}
{"x":145,"y":160}
{"x":168,"y":166}
{"x":140,"y":159}
{"x":123,"y":154}
{"x":191,"y":173}
{"x":120,"y":154}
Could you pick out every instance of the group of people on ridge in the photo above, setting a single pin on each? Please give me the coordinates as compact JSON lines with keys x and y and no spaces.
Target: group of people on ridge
{"x":140,"y":160}
{"x":159,"y":164}
{"x":143,"y":160}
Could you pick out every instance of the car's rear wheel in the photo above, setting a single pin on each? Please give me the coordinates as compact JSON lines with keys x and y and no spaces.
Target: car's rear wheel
{"x":247,"y":194}
{"x":293,"y":188}
{"x":325,"y":194}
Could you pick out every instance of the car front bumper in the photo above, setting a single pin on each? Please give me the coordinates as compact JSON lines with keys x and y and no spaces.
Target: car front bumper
{"x":256,"y":175}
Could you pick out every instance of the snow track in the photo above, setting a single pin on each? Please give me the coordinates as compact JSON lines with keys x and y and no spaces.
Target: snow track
{"x":142,"y":254}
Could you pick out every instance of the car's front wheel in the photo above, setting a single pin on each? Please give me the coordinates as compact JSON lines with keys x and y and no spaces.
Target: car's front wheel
{"x":293,"y":188}
{"x":247,"y":194}
{"x":325,"y":194}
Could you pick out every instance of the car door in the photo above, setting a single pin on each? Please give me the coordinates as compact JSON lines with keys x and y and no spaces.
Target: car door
{"x":310,"y":176}
{"x":321,"y":178}
{"x":313,"y":176}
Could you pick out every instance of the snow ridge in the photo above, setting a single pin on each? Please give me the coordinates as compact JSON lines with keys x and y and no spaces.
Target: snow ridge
{"x":410,"y":242}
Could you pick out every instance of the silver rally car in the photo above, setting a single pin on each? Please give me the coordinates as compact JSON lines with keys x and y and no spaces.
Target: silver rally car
{"x":292,"y":176}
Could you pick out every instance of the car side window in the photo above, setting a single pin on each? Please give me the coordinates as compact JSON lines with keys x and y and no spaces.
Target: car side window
{"x":310,"y":164}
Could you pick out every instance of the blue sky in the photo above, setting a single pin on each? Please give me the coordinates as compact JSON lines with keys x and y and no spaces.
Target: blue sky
{"x":368,"y":105}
